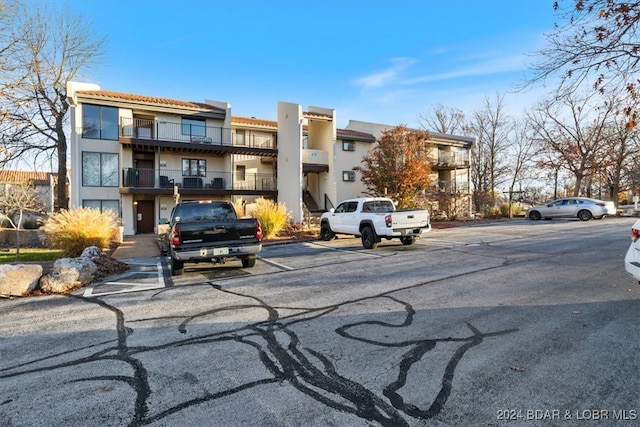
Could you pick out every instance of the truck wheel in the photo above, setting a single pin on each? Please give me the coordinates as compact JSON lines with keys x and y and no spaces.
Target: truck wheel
{"x":177,"y":267}
{"x":369,"y":238}
{"x":248,"y":261}
{"x":325,"y":233}
{"x":408,"y":240}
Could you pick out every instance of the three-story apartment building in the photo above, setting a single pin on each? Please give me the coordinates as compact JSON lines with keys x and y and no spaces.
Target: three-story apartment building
{"x":137,"y":155}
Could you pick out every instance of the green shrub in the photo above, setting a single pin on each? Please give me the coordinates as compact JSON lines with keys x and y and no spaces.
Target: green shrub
{"x":272,"y":216}
{"x":76,"y":229}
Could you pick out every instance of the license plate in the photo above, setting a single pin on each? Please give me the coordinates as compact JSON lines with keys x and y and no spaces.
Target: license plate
{"x":220,"y":251}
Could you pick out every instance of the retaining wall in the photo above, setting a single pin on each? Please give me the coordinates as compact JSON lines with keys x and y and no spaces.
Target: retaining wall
{"x":28,"y":238}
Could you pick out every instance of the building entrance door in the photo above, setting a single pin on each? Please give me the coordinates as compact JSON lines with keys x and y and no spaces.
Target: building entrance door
{"x":144,"y":213}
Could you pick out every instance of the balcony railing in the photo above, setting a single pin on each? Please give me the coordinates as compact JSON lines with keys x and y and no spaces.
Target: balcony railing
{"x":448,"y":159}
{"x":188,"y":133}
{"x":164,"y":178}
{"x":452,"y":187}
{"x":176,"y":132}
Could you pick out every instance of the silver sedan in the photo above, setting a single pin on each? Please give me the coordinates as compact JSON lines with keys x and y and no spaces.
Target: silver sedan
{"x":583,"y":208}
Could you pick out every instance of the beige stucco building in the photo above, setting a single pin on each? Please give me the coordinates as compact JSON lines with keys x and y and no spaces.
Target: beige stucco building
{"x":137,"y":155}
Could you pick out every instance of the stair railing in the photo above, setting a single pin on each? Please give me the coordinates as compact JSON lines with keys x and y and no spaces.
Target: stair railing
{"x":327,"y":203}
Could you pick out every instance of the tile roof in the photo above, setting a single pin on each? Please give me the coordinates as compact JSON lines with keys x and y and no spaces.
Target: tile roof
{"x":341,"y":133}
{"x":309,"y":115}
{"x":25,"y":177}
{"x":352,"y":134}
{"x":238,"y":120}
{"x":107,"y":94}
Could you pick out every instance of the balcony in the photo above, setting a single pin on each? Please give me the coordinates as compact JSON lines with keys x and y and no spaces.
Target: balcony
{"x":315,"y":160}
{"x":449,"y":160}
{"x":153,"y":181}
{"x":173,"y":136}
{"x":449,"y":187}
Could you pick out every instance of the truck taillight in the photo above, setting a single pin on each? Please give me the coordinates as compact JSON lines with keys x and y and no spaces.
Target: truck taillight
{"x":387,"y":220}
{"x":175,"y":235}
{"x":258,"y":230}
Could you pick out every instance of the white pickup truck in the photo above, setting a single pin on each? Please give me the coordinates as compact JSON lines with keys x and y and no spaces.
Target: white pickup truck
{"x":372,"y":219}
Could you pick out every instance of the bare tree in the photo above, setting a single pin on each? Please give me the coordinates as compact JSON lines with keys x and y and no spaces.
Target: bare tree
{"x":572,"y":129}
{"x":443,"y":119}
{"x":10,"y":76}
{"x":597,"y":42}
{"x":15,"y":201}
{"x":493,"y":129}
{"x":53,"y":47}
{"x":522,"y":152}
{"x":622,"y":144}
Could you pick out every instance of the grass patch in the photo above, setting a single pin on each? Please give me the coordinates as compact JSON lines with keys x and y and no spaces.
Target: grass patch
{"x":30,"y":255}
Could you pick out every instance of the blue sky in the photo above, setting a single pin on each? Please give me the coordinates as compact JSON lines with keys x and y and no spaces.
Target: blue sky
{"x":381,"y":61}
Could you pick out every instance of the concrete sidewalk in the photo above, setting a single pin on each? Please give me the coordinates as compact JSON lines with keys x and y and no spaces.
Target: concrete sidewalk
{"x":138,"y":246}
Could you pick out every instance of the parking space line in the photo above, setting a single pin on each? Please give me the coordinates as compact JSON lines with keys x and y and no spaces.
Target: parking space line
{"x":351,"y":251}
{"x":122,"y":285}
{"x":276,"y":264}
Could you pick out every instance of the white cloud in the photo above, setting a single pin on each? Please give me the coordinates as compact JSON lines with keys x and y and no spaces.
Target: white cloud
{"x":389,"y":76}
{"x":489,"y":67}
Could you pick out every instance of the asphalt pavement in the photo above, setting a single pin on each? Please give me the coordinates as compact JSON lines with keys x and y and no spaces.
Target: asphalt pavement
{"x":526,"y":323}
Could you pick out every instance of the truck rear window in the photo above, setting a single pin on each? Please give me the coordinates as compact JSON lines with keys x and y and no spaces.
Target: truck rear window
{"x":204,"y":212}
{"x":377,"y":206}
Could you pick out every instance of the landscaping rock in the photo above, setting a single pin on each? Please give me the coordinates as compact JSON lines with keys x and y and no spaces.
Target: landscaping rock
{"x":91,"y":251}
{"x":19,"y":279}
{"x":68,"y":274}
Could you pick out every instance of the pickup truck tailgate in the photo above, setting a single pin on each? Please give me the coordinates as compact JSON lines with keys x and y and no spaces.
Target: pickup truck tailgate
{"x":195,"y":233}
{"x":415,"y":218}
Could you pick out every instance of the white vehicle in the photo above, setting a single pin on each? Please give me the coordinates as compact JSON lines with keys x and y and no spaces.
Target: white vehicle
{"x":632,"y":259}
{"x":583,"y":208}
{"x":372,"y":219}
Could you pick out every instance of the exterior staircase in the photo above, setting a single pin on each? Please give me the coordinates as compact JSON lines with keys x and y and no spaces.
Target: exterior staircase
{"x":312,"y":212}
{"x":310,"y":202}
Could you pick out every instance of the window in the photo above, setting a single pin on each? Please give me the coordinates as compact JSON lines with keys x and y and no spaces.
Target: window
{"x":103,"y":205}
{"x":346,"y":207}
{"x":378,"y":206}
{"x":194,"y":127}
{"x":99,"y":169}
{"x":348,"y":176}
{"x":348,"y":146}
{"x":194,"y":167}
{"x":99,"y":122}
{"x":241,"y":172}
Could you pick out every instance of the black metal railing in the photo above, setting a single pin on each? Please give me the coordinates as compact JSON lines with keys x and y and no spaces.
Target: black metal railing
{"x":327,"y":203}
{"x":212,"y":180}
{"x":189,"y":133}
{"x":176,"y":132}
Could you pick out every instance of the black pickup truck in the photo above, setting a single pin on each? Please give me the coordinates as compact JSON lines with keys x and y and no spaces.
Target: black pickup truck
{"x":210,"y":231}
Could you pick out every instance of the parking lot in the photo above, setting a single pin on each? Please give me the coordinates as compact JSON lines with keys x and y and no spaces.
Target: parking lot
{"x":513,"y":323}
